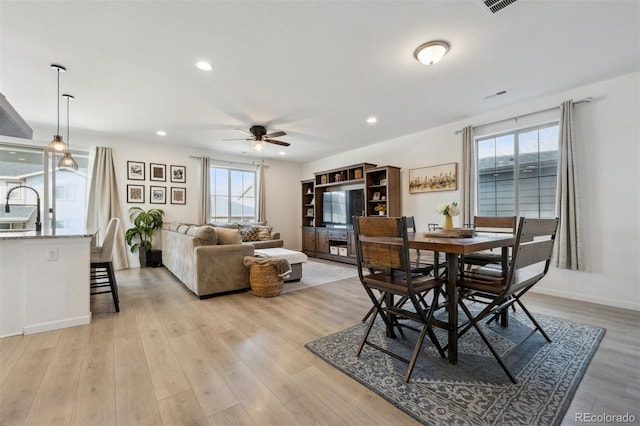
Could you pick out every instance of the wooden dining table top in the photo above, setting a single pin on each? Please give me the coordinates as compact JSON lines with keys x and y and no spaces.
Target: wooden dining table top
{"x":459,"y":245}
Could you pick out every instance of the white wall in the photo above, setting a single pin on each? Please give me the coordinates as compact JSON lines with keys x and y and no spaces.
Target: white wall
{"x":608,"y":135}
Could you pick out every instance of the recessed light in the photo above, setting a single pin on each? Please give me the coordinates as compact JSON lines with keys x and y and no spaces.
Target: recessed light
{"x":204,"y":66}
{"x":372,"y":120}
{"x":282,"y":153}
{"x":161,"y":133}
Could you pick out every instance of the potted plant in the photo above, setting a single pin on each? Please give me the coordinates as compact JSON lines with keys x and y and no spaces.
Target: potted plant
{"x":381,"y":208}
{"x":140,"y":236}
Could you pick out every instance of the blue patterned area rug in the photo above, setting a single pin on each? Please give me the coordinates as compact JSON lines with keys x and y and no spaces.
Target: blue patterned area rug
{"x":475,"y":391}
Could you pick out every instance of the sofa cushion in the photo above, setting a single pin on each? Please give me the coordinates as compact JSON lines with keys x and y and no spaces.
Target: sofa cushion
{"x":206,"y":234}
{"x":225,"y":225}
{"x":183,"y":228}
{"x":228,"y":236}
{"x":255,"y":232}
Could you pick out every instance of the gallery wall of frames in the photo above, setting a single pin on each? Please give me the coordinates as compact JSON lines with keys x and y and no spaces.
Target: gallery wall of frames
{"x":156,"y":190}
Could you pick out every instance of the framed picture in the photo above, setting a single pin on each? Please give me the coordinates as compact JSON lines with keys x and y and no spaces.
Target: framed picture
{"x":178,"y":195}
{"x":376,"y":196}
{"x":135,"y":170}
{"x":135,"y":193}
{"x":158,"y":194}
{"x":383,"y":182}
{"x":158,"y":172}
{"x":178,"y":174}
{"x":443,"y":177}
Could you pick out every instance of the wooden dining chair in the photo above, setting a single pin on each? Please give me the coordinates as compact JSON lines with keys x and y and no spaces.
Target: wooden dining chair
{"x":496,"y":224}
{"x":421,"y":264}
{"x":529,"y":264}
{"x":384,"y":269}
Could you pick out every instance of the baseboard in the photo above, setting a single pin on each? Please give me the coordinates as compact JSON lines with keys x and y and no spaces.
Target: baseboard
{"x":54,"y":325}
{"x":589,"y":299}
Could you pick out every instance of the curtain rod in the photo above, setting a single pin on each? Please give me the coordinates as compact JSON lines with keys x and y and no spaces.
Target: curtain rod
{"x":585,"y":100}
{"x":231,"y":162}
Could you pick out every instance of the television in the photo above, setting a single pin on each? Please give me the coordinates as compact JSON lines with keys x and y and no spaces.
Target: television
{"x":338,"y":207}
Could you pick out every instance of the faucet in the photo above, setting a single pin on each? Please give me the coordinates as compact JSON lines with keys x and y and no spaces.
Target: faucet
{"x":6,"y":206}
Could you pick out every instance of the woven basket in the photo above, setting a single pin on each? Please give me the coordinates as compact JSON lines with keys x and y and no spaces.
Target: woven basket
{"x":265,"y":281}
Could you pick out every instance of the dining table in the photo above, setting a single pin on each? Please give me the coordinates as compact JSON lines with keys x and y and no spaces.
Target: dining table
{"x":454,"y":247}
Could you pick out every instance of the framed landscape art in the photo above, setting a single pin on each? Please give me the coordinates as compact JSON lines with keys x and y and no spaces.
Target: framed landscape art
{"x":443,"y":177}
{"x":135,"y":170}
{"x":158,"y":195}
{"x":178,"y":174}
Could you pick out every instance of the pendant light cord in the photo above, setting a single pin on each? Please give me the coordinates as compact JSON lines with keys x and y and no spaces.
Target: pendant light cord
{"x":58,"y":98}
{"x":68,"y":144}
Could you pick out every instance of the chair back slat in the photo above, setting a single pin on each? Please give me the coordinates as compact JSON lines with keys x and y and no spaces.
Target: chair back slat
{"x":495,"y":223}
{"x":381,"y":243}
{"x":534,"y":245}
{"x":532,"y":253}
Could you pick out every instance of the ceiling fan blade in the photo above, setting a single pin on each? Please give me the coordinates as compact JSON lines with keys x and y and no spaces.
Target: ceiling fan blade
{"x":274,"y":134}
{"x":242,"y":130}
{"x":273,"y":141}
{"x":240,"y":139}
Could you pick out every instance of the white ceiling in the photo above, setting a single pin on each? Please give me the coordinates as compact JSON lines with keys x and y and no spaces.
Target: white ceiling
{"x":314,"y":69}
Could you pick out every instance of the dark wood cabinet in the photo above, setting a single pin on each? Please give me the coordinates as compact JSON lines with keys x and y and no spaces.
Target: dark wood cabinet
{"x":309,"y":240}
{"x":322,"y":241}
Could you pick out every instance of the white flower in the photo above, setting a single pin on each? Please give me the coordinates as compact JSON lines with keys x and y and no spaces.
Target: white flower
{"x":448,"y":209}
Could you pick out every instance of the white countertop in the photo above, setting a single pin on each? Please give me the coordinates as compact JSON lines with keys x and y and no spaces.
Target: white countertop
{"x":17,"y":234}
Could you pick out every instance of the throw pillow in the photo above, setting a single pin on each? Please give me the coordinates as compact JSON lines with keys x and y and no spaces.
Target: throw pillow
{"x":255,"y":232}
{"x":206,"y":234}
{"x":183,"y":228}
{"x":228,"y":236}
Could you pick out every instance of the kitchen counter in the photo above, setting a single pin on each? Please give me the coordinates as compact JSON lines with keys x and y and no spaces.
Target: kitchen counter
{"x":44,"y":280}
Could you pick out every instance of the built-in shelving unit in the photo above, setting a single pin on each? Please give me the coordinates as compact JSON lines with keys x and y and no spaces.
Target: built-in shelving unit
{"x":381,"y":186}
{"x":383,"y":191}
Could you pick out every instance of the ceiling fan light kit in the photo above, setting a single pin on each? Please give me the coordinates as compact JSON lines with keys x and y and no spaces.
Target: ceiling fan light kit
{"x":431,"y":52}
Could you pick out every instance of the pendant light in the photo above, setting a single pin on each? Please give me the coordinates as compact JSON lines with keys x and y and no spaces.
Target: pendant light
{"x":57,"y":146}
{"x":68,"y":163}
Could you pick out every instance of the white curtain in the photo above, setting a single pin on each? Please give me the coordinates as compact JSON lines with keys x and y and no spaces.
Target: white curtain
{"x":468,"y":175}
{"x":568,"y":246}
{"x":262,"y":214}
{"x":104,"y":204}
{"x":205,"y":200}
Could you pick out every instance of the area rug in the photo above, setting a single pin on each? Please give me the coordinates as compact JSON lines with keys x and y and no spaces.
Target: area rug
{"x":475,"y":391}
{"x":316,"y":273}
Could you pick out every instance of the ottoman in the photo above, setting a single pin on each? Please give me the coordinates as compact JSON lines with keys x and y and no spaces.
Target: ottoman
{"x":295,"y":259}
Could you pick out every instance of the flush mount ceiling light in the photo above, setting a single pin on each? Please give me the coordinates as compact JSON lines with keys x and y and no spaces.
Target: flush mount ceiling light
{"x":68,"y":163}
{"x":57,"y":145}
{"x":431,"y":52}
{"x":204,"y":66}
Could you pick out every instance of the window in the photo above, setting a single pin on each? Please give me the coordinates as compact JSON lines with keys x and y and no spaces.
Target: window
{"x":233,"y":195}
{"x":517,"y":173}
{"x":66,"y":192}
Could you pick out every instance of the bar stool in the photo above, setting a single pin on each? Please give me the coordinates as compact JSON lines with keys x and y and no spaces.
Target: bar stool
{"x":101,"y":274}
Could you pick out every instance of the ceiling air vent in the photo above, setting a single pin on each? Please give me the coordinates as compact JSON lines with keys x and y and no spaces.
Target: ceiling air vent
{"x":494,"y":6}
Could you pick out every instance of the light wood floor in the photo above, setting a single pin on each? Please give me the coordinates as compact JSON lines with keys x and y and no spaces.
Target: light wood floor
{"x":169,"y":358}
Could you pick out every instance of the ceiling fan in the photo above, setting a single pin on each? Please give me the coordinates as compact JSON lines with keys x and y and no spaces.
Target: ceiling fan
{"x":259,"y":134}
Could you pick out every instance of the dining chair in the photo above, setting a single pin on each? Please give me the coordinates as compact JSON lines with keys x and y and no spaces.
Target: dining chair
{"x":101,"y":270}
{"x":496,"y":224}
{"x":529,"y":264}
{"x":383,"y":266}
{"x":422,"y":264}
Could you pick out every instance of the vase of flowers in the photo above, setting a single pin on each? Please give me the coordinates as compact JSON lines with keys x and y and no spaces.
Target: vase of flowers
{"x":381,"y":209}
{"x":448,"y":210}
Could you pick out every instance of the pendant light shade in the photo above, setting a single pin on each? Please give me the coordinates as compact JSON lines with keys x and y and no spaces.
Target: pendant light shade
{"x":68,"y":163}
{"x":57,"y":146}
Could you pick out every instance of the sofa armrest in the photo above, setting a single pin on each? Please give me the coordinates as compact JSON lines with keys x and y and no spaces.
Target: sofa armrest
{"x":275,"y":235}
{"x":220,"y":268}
{"x":266,"y":244}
